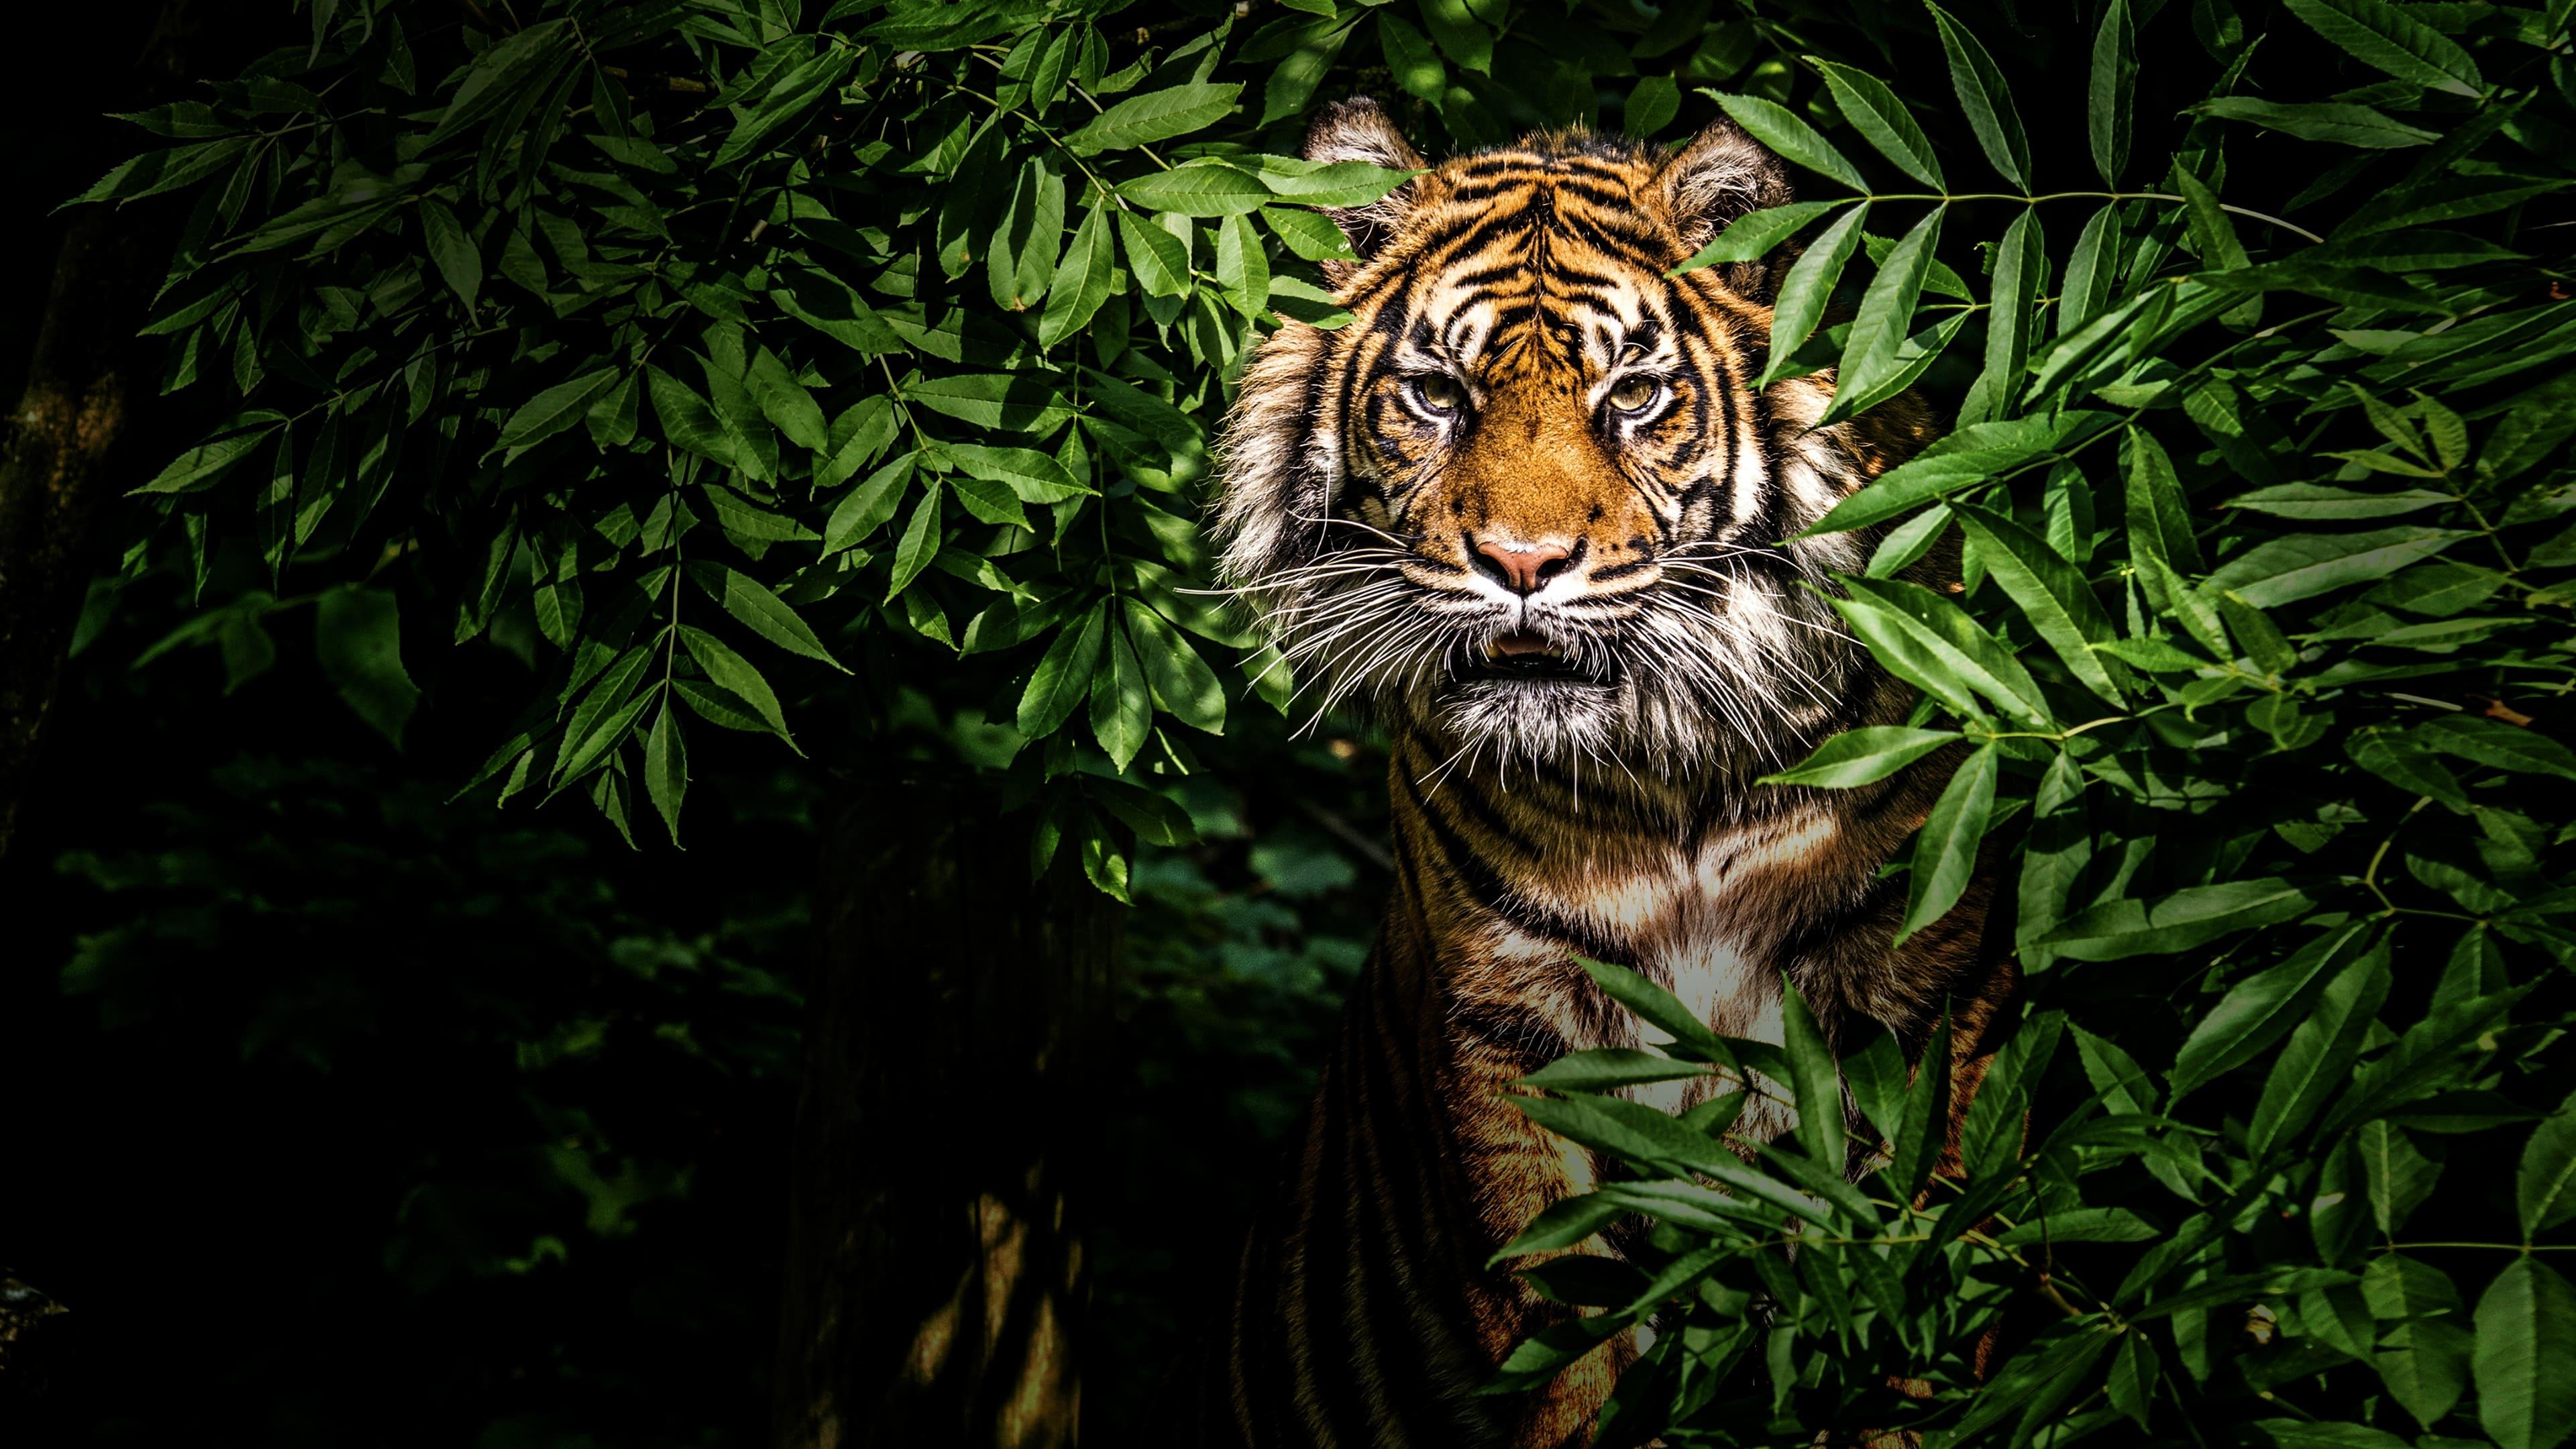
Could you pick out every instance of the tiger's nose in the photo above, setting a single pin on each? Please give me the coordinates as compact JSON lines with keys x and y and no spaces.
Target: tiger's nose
{"x":1521,"y":567}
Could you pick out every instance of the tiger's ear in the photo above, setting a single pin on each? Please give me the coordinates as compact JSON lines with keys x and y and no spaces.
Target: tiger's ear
{"x":1721,"y":175}
{"x":1359,"y":129}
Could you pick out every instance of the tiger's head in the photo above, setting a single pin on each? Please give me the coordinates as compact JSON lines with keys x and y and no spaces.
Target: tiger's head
{"x":1529,"y":498}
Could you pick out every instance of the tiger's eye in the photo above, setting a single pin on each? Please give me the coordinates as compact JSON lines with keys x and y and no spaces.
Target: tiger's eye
{"x":1636,"y":394}
{"x":1438,"y":393}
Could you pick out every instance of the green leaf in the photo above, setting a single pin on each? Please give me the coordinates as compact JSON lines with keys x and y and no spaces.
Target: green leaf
{"x":2319,"y":1056}
{"x":1652,"y":104}
{"x":1945,"y":852}
{"x":2533,"y":426}
{"x":1182,"y":681}
{"x":1155,"y":116}
{"x":1562,"y":1225}
{"x":2012,"y":317}
{"x":1081,"y":280}
{"x":1808,"y":288}
{"x":2323,"y":1434}
{"x":2158,"y":513}
{"x":1410,"y":58}
{"x":202,"y":465}
{"x":2213,"y":235}
{"x":1460,"y":36}
{"x":1160,"y":260}
{"x":731,"y":672}
{"x":1022,"y":259}
{"x":2110,"y":99}
{"x":167,"y":169}
{"x":743,"y":520}
{"x":865,"y":508}
{"x":829,"y":306}
{"x":1985,"y":101}
{"x":1297,"y":76}
{"x":2398,"y":1176}
{"x":2399,"y":1288}
{"x":1934,"y":644}
{"x":687,"y":421}
{"x":2263,"y":1009}
{"x":2090,"y":270}
{"x":666,"y":768}
{"x":1122,"y":711}
{"x":993,"y":400}
{"x":1242,"y":268}
{"x":1608,"y":1069}
{"x":2387,"y":38}
{"x":1776,"y":126}
{"x":1030,"y":474}
{"x":614,"y":417}
{"x":2525,"y":1363}
{"x":1972,"y":454}
{"x":2426,"y":1366}
{"x":557,"y":408}
{"x":2323,"y":503}
{"x":989,"y":502}
{"x":763,"y":612}
{"x":796,"y":90}
{"x":785,"y":402}
{"x":1755,"y":235}
{"x":2403,"y":762}
{"x":2194,"y":916}
{"x":2050,"y":593}
{"x":1645,"y":1136}
{"x":1208,"y":190}
{"x":1063,"y":676}
{"x":2497,"y":745}
{"x":357,"y":639}
{"x":603,"y":720}
{"x":920,"y":544}
{"x":451,"y":251}
{"x":2421,"y":1060}
{"x":1870,"y":356}
{"x":2545,"y":1186}
{"x":1813,"y":1081}
{"x":1882,"y":120}
{"x":1656,"y":1007}
{"x":2301,"y":565}
{"x":2335,"y":123}
{"x":1861,"y":757}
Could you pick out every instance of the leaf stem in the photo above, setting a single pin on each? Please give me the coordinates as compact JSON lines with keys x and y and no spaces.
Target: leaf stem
{"x":1946,"y":198}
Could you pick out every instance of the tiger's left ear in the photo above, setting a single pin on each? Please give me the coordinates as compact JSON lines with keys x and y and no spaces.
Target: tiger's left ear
{"x":1721,"y":175}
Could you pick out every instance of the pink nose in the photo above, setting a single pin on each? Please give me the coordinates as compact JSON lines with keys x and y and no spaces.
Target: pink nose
{"x":1521,"y":567}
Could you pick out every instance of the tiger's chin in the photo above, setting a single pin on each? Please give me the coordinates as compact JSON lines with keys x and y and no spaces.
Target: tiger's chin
{"x":1561,"y":703}
{"x":1534,"y":715}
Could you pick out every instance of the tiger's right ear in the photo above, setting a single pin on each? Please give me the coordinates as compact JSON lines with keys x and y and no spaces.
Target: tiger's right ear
{"x":1359,"y":129}
{"x":1721,"y":175}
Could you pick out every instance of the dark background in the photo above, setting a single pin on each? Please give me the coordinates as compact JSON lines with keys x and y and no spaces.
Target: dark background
{"x":335,"y":1113}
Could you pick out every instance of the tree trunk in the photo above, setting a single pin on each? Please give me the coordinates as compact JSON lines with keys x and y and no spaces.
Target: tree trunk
{"x":87,"y":376}
{"x":936,"y":1278}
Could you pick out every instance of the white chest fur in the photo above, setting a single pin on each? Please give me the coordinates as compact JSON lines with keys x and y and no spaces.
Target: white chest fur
{"x":1706,"y":920}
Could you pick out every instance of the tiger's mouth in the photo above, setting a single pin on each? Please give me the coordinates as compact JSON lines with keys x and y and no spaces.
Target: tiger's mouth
{"x":1527,"y":658}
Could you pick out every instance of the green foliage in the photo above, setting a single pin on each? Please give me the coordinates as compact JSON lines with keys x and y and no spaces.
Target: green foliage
{"x":698,"y":349}
{"x":710,"y":344}
{"x":2259,"y":533}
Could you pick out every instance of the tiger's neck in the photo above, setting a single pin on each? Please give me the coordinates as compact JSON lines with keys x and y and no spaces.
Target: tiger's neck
{"x":1505,"y":878}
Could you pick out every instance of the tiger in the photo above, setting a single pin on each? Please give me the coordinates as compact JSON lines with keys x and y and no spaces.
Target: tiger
{"x":1529,"y":505}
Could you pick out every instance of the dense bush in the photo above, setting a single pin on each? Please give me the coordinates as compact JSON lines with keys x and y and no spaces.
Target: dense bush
{"x":689,"y":349}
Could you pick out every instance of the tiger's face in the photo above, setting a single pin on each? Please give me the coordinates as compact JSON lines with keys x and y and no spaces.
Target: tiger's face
{"x":1530,"y":499}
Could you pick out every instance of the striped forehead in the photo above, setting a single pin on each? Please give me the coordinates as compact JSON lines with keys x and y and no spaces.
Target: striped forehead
{"x":1540,"y":259}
